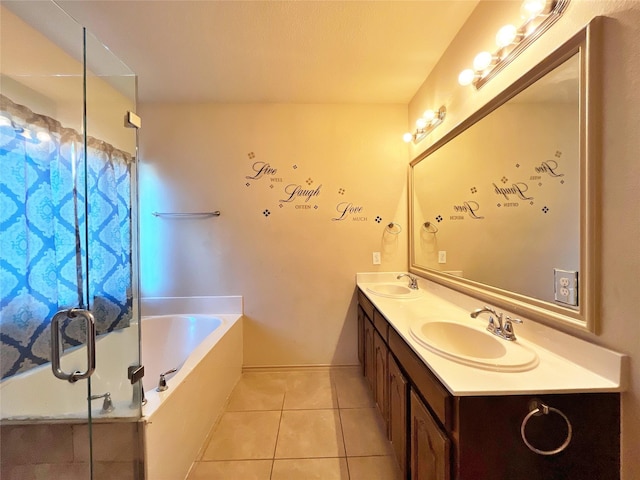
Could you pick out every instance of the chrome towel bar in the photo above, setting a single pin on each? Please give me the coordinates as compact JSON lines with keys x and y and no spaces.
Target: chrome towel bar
{"x":187,"y":215}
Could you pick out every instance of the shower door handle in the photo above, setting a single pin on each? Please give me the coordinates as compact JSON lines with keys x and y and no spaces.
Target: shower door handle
{"x":55,"y":344}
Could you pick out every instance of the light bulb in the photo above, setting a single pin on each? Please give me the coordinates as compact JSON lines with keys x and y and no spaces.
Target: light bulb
{"x":429,"y":115}
{"x":421,"y":123}
{"x":532,"y":8}
{"x":407,"y":137}
{"x":506,"y":35}
{"x":482,"y":61}
{"x":466,"y":77}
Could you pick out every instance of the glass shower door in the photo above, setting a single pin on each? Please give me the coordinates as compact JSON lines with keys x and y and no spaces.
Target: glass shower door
{"x":67,"y":238}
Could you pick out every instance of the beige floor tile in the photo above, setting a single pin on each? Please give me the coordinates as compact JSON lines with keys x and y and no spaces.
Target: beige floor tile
{"x":373,"y":468}
{"x":311,"y":469}
{"x":312,"y":390}
{"x":244,"y":436}
{"x":364,"y":432}
{"x":232,"y":470}
{"x":258,"y":391}
{"x":310,"y":434}
{"x":352,"y":389}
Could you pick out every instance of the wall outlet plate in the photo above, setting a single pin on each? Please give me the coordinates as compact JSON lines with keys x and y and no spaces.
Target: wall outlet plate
{"x":565,"y":288}
{"x":376,"y":258}
{"x":442,"y":256}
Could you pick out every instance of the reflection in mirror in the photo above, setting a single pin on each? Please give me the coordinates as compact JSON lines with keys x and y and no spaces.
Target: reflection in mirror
{"x":501,"y":206}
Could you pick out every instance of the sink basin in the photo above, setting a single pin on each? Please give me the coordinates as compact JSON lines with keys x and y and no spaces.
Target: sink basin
{"x":393,"y":290}
{"x":471,"y":346}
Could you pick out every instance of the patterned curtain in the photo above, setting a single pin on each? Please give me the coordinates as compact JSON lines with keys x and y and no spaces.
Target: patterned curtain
{"x":43,"y":232}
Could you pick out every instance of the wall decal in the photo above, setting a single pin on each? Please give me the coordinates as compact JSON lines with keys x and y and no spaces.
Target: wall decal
{"x":296,"y":191}
{"x":295,"y":167}
{"x":470,"y":208}
{"x":251,"y":155}
{"x":261,"y":169}
{"x":378,"y":219}
{"x":517,"y":189}
{"x":474,"y":190}
{"x":504,"y":179}
{"x":550,"y":167}
{"x":341,"y":191}
{"x":309,"y":181}
{"x":517,"y":165}
{"x":349,"y":210}
{"x":271,"y":186}
{"x":545,"y":209}
{"x":438,"y":219}
{"x":266,"y":213}
{"x":248,"y":184}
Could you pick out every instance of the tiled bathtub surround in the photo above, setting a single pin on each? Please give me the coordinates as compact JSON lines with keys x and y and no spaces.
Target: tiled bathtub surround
{"x":61,"y":451}
{"x":298,"y":425}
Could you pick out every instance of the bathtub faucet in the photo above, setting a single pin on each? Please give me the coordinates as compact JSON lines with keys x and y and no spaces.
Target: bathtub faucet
{"x":107,"y":405}
{"x":162,"y":383}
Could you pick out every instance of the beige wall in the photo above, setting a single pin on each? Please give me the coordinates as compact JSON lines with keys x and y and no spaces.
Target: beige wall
{"x":620,"y":171}
{"x":295,"y":267}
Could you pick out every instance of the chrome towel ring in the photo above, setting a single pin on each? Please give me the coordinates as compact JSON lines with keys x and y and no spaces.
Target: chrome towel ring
{"x":538,"y":408}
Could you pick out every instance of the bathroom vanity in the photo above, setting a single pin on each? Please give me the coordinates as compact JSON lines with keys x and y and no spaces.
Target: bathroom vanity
{"x":552,"y":418}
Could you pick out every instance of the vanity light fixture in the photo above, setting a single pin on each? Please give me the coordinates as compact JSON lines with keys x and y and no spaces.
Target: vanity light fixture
{"x":424,"y":125}
{"x":537,"y":16}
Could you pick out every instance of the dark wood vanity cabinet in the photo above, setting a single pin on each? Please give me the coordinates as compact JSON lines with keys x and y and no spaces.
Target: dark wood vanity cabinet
{"x":430,"y":446}
{"x":438,"y":436}
{"x":398,"y":409}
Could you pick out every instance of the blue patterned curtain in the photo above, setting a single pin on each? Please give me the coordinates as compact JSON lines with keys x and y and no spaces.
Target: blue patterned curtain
{"x":43,"y":233}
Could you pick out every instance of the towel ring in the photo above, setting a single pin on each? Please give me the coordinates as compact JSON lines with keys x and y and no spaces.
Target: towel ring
{"x":539,"y":408}
{"x":429,"y":227}
{"x":393,"y":228}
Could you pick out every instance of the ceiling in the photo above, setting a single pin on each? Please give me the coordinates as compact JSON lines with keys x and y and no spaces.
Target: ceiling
{"x":275,"y":51}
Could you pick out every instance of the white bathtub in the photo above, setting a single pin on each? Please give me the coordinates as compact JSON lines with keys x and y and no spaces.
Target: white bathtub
{"x":208,"y":354}
{"x":206,"y":350}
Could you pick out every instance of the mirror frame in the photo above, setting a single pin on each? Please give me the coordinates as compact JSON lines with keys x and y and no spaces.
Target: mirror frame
{"x":586,"y":44}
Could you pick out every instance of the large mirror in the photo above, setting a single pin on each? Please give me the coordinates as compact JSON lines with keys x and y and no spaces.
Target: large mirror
{"x":503,"y":206}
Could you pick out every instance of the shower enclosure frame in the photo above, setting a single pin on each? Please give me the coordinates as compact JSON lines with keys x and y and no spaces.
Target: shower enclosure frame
{"x":108,"y":96}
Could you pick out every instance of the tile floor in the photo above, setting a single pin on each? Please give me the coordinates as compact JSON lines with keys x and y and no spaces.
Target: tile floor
{"x":298,"y":426}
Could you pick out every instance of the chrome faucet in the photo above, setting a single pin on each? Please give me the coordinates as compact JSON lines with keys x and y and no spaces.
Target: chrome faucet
{"x":162,"y":383}
{"x":413,"y":281}
{"x":107,"y":405}
{"x":496,"y":326}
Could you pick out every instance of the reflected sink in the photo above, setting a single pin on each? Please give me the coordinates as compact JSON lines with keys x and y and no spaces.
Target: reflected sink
{"x":471,"y":346}
{"x":393,"y":290}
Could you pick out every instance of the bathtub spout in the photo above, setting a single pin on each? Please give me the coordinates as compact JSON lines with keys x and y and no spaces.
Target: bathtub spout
{"x":162,"y":383}
{"x":138,"y":395}
{"x":107,"y":405}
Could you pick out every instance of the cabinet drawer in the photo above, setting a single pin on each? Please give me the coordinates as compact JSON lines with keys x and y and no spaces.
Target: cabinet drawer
{"x":366,"y":305}
{"x":381,"y":325}
{"x":435,"y":394}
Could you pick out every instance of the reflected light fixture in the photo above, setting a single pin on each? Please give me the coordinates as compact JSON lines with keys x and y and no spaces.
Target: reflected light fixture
{"x":429,"y":120}
{"x":537,"y":16}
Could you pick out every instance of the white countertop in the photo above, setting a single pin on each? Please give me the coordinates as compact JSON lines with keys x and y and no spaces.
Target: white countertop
{"x":566,"y":364}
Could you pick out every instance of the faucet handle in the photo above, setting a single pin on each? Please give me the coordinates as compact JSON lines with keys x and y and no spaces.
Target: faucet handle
{"x":507,"y":328}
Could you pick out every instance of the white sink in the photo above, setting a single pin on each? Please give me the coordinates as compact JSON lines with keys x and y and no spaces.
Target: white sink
{"x":393,"y":290}
{"x":471,"y":346}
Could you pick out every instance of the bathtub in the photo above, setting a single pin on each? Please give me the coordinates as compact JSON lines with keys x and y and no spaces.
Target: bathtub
{"x":205,"y":349}
{"x":178,"y":420}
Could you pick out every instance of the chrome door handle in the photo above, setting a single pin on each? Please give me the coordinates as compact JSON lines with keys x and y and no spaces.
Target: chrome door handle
{"x":55,"y":344}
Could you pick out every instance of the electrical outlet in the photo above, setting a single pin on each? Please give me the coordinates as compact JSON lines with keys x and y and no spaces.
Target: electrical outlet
{"x":442,"y":256}
{"x":376,"y":258}
{"x":565,"y":286}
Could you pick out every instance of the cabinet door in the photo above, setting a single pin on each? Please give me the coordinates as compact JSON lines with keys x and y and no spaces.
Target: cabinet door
{"x":430,"y":447}
{"x":398,"y":389}
{"x":369,"y":358}
{"x":381,"y":390}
